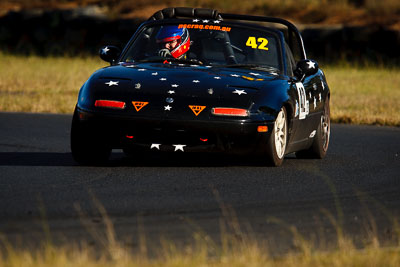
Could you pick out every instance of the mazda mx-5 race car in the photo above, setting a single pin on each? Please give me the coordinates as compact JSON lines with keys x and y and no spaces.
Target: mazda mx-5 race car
{"x":198,"y":80}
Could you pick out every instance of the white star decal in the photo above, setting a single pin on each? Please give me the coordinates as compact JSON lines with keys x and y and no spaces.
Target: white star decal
{"x":205,"y":21}
{"x":255,"y":74}
{"x":196,"y":81}
{"x":175,"y":85}
{"x":111,"y":83}
{"x":311,"y":65}
{"x":154,"y":73}
{"x":217,"y":21}
{"x":235,"y":75}
{"x":163,"y":79}
{"x":179,"y":147}
{"x":239,"y":92}
{"x":196,"y":20}
{"x":157,"y":146}
{"x":105,"y":50}
{"x":141,"y":69}
{"x":171,"y":92}
{"x":167,"y":107}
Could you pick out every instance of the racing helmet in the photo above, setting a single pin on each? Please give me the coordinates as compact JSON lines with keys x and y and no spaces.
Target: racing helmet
{"x":171,"y":33}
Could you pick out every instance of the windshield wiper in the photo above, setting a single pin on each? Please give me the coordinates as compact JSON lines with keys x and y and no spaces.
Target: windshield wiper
{"x":251,"y":66}
{"x":185,"y":61}
{"x":170,"y":59}
{"x":239,"y":66}
{"x":150,"y":60}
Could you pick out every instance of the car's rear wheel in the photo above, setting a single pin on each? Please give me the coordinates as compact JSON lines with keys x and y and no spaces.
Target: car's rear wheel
{"x":320,"y":143}
{"x":85,"y":147}
{"x":277,"y":142}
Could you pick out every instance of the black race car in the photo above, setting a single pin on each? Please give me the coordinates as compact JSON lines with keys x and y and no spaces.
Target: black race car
{"x":192,"y":80}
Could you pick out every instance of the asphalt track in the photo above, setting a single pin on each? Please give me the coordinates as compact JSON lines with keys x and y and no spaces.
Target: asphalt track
{"x":356,"y":186}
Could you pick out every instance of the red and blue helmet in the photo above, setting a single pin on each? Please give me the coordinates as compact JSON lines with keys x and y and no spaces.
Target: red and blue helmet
{"x":171,"y":33}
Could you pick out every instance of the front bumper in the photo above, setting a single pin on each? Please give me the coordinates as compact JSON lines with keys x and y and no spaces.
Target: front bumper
{"x":155,"y":134}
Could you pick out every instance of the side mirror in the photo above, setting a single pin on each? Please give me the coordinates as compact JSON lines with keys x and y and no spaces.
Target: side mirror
{"x":305,"y":67}
{"x":109,"y":53}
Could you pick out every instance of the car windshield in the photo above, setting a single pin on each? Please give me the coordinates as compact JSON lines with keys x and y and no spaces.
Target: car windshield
{"x":207,"y":42}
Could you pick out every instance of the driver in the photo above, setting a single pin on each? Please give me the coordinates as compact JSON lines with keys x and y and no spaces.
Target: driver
{"x":173,"y":41}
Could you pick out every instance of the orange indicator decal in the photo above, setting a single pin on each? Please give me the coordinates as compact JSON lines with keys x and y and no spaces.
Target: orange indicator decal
{"x":197,"y":109}
{"x":248,"y":78}
{"x":262,"y":129}
{"x":139,"y":105}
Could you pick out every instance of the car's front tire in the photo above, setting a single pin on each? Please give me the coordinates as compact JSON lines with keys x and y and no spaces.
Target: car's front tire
{"x":85,"y":147}
{"x":276,"y":145}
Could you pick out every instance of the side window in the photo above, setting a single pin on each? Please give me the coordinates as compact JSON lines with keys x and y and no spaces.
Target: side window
{"x":142,"y":45}
{"x":291,"y":63}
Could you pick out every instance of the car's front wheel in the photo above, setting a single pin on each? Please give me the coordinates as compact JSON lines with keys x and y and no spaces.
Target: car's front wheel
{"x":85,"y":147}
{"x":277,"y":142}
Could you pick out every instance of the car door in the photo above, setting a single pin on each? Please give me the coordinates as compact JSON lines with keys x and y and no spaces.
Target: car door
{"x":309,"y":106}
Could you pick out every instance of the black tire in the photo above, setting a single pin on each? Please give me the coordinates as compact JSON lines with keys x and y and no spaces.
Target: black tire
{"x":277,"y":142}
{"x":86,"y":150}
{"x":320,"y":144}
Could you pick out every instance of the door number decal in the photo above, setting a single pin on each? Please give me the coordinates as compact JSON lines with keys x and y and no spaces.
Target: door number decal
{"x":304,"y":105}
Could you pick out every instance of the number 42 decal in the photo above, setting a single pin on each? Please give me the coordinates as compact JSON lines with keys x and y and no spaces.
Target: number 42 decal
{"x":259,"y":43}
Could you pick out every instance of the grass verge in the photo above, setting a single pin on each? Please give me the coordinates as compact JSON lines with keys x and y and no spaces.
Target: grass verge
{"x":234,"y":252}
{"x":364,"y":95}
{"x":360,"y":95}
{"x":37,"y":84}
{"x":235,"y":247}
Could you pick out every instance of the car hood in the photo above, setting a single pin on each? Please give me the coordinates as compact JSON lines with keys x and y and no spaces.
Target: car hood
{"x":179,"y":90}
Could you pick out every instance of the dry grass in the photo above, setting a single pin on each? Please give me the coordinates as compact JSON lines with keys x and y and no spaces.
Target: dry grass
{"x":36,"y":84}
{"x":236,"y":248}
{"x":367,"y":95}
{"x":238,"y":253}
{"x":361,"y":95}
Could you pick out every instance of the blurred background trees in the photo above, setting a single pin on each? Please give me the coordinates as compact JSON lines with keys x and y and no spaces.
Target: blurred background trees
{"x":351,"y":30}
